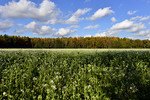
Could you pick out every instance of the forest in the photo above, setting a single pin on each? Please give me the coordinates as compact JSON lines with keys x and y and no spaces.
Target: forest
{"x":71,"y":42}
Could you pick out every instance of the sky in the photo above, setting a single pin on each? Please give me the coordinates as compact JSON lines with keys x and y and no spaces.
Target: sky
{"x":75,"y":18}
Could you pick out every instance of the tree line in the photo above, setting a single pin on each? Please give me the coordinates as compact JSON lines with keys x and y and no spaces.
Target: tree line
{"x":71,"y":42}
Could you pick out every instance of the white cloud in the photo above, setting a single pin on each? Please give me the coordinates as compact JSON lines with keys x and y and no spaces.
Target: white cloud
{"x":6,"y":24}
{"x":113,"y":19}
{"x":131,"y":12}
{"x":113,"y":32}
{"x":74,"y":26}
{"x":126,"y":25}
{"x":149,"y":23}
{"x":31,"y":25}
{"x":101,"y":13}
{"x":136,"y":28}
{"x":135,"y":18}
{"x":104,"y":34}
{"x":140,"y":18}
{"x":75,"y":18}
{"x":133,"y":38}
{"x":37,"y":28}
{"x":66,"y":31}
{"x":55,"y":21}
{"x":143,"y":33}
{"x":122,"y":25}
{"x":145,"y":18}
{"x":87,"y":36}
{"x":17,"y":31}
{"x":27,"y":9}
{"x":91,"y":27}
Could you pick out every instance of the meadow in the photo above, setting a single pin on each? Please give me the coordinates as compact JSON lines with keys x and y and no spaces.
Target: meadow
{"x":74,"y":74}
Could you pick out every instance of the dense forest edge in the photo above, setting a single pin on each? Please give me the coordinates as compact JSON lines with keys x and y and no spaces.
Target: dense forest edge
{"x":71,"y":42}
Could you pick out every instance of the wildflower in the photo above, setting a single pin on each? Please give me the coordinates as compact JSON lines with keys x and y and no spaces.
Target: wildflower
{"x":89,"y":86}
{"x":44,"y":85}
{"x":48,"y":91}
{"x":34,"y":78}
{"x":64,"y":87}
{"x":53,"y":87}
{"x":24,"y":75}
{"x":4,"y":94}
{"x":22,"y":90}
{"x":52,"y":81}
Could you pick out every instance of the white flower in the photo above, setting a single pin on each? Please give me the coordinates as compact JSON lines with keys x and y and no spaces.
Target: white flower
{"x":34,"y":78}
{"x":48,"y":91}
{"x":88,"y":86}
{"x":4,"y":94}
{"x":22,"y":90}
{"x":24,"y":75}
{"x":52,"y":81}
{"x":53,"y":87}
{"x":44,"y":85}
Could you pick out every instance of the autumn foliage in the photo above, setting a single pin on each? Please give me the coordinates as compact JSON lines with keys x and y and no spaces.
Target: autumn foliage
{"x":71,"y":42}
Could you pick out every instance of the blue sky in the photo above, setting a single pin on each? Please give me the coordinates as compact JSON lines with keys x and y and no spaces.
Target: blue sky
{"x":76,"y":18}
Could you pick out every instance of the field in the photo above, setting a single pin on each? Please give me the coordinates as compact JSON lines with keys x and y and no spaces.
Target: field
{"x":75,"y":74}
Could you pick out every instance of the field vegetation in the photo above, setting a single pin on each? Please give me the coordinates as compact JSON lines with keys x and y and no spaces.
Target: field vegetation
{"x":80,"y":74}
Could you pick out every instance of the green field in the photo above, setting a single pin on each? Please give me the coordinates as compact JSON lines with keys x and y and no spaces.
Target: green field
{"x":75,"y":74}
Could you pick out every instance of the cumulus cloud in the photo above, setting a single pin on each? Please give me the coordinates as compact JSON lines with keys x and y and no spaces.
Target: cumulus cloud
{"x":87,"y":36}
{"x":122,"y":25}
{"x":144,"y":33}
{"x":91,"y":27}
{"x":37,"y":28}
{"x":55,"y":21}
{"x":136,"y":28}
{"x":75,"y":18}
{"x":113,"y":19}
{"x":27,"y":9}
{"x":101,"y":13}
{"x":145,"y":18}
{"x":104,"y":34}
{"x":66,"y":31}
{"x":17,"y":31}
{"x":6,"y":25}
{"x":113,"y":32}
{"x":126,"y":25}
{"x":131,"y":12}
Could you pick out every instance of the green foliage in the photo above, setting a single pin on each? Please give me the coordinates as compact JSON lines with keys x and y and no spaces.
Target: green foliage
{"x":74,"y":75}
